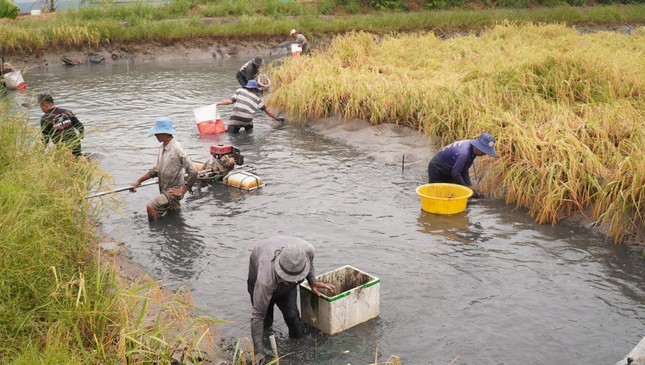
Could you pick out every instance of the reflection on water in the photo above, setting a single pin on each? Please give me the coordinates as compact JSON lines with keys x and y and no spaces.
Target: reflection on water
{"x":488,"y":286}
{"x":454,"y":227}
{"x":181,"y":245}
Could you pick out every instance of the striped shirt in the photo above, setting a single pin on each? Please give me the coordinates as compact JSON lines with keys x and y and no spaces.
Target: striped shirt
{"x":246,"y":104}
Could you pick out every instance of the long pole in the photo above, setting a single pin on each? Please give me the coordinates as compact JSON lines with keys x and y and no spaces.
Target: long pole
{"x":121,"y":189}
{"x":205,"y":176}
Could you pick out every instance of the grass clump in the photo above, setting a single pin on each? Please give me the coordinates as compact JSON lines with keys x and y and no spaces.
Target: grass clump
{"x":59,"y":302}
{"x":566,"y":108}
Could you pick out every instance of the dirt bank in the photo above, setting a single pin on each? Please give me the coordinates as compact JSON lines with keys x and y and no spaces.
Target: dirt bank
{"x":199,"y":50}
{"x":205,"y":49}
{"x":187,"y":333}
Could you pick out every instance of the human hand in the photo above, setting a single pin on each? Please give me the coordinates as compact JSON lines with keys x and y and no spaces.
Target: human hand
{"x":133,"y":188}
{"x":315,"y":287}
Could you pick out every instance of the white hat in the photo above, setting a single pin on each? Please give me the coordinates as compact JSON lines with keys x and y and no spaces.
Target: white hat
{"x":292,"y":32}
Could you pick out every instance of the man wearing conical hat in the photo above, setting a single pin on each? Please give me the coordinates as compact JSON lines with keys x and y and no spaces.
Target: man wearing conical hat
{"x":300,"y":40}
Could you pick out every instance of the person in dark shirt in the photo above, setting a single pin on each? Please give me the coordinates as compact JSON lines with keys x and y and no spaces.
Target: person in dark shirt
{"x":60,"y":125}
{"x":451,"y":165}
{"x":249,"y":71}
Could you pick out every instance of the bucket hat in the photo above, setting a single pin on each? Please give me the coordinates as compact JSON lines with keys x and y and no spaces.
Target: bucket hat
{"x":258,"y":61}
{"x":252,"y":84}
{"x":163,"y":126}
{"x":292,"y":264}
{"x":293,"y":31}
{"x":485,"y":143}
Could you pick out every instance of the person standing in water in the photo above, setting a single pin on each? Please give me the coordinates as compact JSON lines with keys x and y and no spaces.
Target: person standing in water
{"x":246,"y":101}
{"x":175,"y":171}
{"x":452,"y":163}
{"x":60,"y":126}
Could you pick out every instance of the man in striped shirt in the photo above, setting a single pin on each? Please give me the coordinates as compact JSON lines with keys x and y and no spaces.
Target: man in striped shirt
{"x":246,"y":101}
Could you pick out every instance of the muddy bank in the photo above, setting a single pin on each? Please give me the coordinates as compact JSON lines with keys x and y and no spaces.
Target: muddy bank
{"x":214,"y":49}
{"x":147,"y":52}
{"x":394,"y":144}
{"x":191,"y":337}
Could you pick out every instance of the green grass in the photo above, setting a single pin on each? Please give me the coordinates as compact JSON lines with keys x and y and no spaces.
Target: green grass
{"x":59,"y":303}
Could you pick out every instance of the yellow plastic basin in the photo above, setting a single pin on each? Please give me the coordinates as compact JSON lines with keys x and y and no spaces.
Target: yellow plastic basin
{"x":441,"y":198}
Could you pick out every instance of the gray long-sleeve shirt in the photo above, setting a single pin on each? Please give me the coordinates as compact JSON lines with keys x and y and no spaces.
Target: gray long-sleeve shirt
{"x":172,"y":164}
{"x":266,"y":280}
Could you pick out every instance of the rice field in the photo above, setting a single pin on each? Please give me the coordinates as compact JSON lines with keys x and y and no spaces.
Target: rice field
{"x":567,"y":109}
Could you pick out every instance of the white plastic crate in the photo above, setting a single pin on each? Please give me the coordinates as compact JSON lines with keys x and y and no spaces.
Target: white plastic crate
{"x":355,"y":300}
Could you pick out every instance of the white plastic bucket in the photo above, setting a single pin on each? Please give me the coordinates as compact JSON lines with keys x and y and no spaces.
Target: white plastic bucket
{"x":206,"y":113}
{"x":296,"y":50}
{"x":35,"y":12}
{"x":208,"y":120}
{"x":14,"y":79}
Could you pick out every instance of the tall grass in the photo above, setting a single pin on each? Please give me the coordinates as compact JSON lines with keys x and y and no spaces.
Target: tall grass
{"x":59,"y":302}
{"x":567,"y":108}
{"x":186,"y":21}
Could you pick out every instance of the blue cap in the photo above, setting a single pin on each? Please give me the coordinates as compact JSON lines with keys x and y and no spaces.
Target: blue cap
{"x":485,"y":143}
{"x":252,"y":84}
{"x":163,"y":125}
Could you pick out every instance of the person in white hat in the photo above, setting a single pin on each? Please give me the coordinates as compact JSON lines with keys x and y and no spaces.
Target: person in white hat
{"x":276,"y":267}
{"x":300,"y":40}
{"x":451,"y":164}
{"x":175,"y":171}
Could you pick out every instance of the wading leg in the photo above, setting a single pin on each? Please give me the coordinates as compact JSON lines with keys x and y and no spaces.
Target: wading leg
{"x":287,"y":304}
{"x":152,"y":213}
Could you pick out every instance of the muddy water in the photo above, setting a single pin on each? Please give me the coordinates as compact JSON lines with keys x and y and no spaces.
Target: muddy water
{"x":484,"y":287}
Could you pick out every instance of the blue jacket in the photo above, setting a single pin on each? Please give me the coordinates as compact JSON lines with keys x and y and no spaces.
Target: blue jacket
{"x":454,"y":160}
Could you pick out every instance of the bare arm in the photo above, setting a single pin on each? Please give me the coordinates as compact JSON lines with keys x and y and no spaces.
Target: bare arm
{"x":143,"y":178}
{"x":225,"y":102}
{"x":271,"y":114}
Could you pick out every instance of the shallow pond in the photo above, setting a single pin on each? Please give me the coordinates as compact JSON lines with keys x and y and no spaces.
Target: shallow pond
{"x":488,"y":286}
